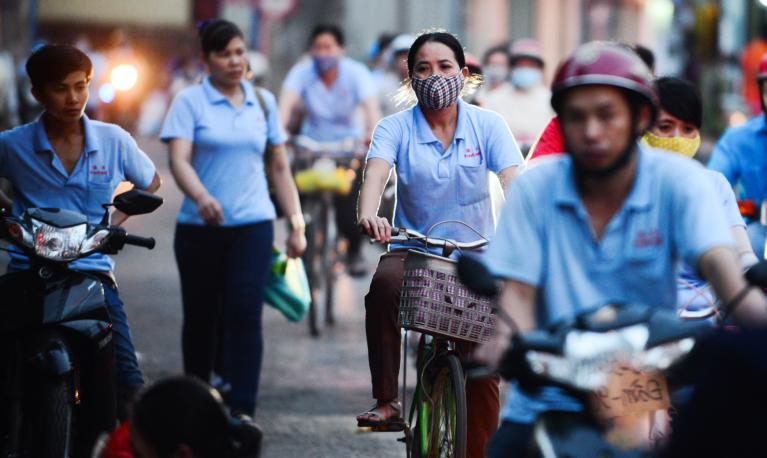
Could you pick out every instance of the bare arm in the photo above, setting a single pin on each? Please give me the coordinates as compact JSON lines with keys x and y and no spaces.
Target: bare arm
{"x":118,"y":217}
{"x":722,"y":269}
{"x":372,"y":113}
{"x":288,"y":103}
{"x":376,"y":174}
{"x":507,"y":175}
{"x":186,"y":177}
{"x":743,"y":247}
{"x":518,"y":300}
{"x":287,"y":197}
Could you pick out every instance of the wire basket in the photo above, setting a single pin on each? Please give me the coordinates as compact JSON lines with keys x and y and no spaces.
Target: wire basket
{"x":435,"y":302}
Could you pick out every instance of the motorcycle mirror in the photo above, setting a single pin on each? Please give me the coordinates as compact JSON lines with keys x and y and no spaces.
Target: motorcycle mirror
{"x":476,"y":276}
{"x":137,"y":202}
{"x":757,"y":274}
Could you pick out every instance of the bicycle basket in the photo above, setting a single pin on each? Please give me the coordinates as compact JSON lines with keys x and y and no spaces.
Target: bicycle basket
{"x":435,"y":302}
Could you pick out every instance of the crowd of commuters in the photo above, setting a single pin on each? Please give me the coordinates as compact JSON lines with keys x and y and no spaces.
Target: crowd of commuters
{"x":609,"y":212}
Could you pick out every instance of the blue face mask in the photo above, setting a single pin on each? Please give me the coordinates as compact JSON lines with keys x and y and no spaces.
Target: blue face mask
{"x":324,"y":64}
{"x":525,"y":77}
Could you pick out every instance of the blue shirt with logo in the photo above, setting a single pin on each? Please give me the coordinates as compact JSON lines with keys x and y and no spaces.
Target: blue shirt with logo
{"x":110,"y":156}
{"x":228,"y":147}
{"x":671,"y":214}
{"x":329,"y":112}
{"x":741,"y":156}
{"x":436,"y":184}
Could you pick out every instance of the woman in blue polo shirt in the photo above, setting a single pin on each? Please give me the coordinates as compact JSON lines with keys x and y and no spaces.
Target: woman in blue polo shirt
{"x":442,"y":150}
{"x":217,"y":134}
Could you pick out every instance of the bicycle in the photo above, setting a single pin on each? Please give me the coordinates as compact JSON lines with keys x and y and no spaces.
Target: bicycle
{"x":322,"y":170}
{"x":445,"y":312}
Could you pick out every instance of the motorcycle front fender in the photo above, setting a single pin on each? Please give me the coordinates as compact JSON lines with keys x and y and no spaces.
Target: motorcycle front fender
{"x":52,"y":357}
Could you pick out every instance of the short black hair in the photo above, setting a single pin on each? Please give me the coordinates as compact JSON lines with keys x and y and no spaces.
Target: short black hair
{"x":681,"y":99}
{"x":334,"y":30}
{"x":445,"y":38}
{"x":496,"y":50}
{"x":647,"y":56}
{"x":52,"y":63}
{"x":216,"y":34}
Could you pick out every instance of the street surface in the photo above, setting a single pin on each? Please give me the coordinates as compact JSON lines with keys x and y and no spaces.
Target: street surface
{"x":311,"y":389}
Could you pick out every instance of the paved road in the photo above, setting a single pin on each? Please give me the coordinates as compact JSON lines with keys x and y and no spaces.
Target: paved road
{"x":311,"y":388}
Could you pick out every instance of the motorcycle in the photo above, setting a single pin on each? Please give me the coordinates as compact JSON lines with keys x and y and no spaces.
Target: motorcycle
{"x":58,"y":384}
{"x":621,"y":362}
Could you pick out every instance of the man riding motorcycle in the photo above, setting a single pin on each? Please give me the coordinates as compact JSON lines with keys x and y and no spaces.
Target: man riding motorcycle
{"x":617,"y":220}
{"x":739,"y":156}
{"x":65,"y":160}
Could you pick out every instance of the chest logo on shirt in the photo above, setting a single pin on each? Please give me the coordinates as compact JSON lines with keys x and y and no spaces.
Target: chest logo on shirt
{"x":99,"y":170}
{"x":472,"y":153}
{"x":646,"y":239}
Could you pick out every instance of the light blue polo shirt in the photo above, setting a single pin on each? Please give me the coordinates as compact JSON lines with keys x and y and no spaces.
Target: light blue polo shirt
{"x":227,"y":150}
{"x":545,"y":239}
{"x":40,"y":180}
{"x":329,"y":112}
{"x":434,"y":184}
{"x":741,"y":156}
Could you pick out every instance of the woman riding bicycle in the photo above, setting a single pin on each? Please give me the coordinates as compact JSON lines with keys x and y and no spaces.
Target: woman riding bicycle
{"x":443,"y":149}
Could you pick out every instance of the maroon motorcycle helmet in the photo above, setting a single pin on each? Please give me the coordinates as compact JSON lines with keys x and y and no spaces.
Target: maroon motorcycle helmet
{"x":604,"y":64}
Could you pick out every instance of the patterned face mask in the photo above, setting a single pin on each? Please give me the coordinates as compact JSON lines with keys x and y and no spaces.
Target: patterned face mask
{"x":687,"y":147}
{"x":437,"y":92}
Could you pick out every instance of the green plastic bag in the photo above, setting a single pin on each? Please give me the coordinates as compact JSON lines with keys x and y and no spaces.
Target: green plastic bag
{"x":287,"y":289}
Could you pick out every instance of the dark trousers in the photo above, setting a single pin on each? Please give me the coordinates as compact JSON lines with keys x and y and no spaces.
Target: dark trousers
{"x":383,"y":338}
{"x":223,"y":272}
{"x":346,"y":216}
{"x":129,"y":378}
{"x":511,"y":440}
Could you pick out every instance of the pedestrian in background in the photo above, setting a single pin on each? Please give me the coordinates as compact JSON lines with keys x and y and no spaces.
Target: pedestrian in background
{"x":217,"y":135}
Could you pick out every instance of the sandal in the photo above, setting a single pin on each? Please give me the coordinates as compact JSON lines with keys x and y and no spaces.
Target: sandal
{"x":375,"y":420}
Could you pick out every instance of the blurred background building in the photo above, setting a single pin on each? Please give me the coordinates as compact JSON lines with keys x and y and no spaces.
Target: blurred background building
{"x":715,"y":43}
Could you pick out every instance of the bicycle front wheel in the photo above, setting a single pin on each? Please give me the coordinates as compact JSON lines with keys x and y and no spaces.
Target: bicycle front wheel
{"x":442,"y":423}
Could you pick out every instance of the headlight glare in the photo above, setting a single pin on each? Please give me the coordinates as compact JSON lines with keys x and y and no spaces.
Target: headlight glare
{"x":57,"y":244}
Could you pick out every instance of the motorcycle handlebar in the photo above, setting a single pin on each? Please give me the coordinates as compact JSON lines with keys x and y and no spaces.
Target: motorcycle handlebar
{"x":146,"y":242}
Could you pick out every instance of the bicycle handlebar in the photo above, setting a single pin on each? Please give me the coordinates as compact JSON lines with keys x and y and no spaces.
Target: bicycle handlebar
{"x":403,"y":235}
{"x":348,"y":145}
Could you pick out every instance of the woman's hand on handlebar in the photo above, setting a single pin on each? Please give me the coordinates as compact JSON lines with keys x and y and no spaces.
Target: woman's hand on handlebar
{"x":296,"y":244}
{"x":210,"y":210}
{"x":376,"y":227}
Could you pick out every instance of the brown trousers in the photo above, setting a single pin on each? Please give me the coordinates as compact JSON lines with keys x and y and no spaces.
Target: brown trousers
{"x":383,"y":337}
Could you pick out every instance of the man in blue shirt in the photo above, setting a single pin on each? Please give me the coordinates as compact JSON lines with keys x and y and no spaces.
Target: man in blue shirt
{"x":65,"y":160}
{"x":618,"y":219}
{"x":330,"y":90}
{"x":740,"y":156}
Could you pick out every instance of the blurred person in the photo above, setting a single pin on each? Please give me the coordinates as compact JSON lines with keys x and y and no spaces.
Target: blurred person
{"x":378,"y":56}
{"x":475,"y":70}
{"x":329,"y":88}
{"x":9,"y":100}
{"x":182,"y":417}
{"x":217,"y":135}
{"x":441,"y":150}
{"x":739,"y":156}
{"x":550,"y":141}
{"x":395,"y":76}
{"x":496,"y":92}
{"x":677,"y":130}
{"x":186,"y":72}
{"x":65,"y":160}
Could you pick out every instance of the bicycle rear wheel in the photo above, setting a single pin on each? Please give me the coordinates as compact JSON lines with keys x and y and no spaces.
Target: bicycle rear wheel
{"x":316,"y":233}
{"x":441,"y":418}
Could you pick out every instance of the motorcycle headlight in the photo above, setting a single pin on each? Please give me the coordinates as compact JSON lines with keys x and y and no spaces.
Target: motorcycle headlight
{"x":55,"y":243}
{"x":94,"y":241}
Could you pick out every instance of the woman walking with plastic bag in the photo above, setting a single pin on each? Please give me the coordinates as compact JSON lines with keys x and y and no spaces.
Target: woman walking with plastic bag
{"x":217,"y":134}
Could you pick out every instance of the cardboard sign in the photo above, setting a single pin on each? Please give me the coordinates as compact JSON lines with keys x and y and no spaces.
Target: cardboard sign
{"x":631,"y":392}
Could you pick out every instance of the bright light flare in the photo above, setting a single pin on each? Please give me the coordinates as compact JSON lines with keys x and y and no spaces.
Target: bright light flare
{"x":107,"y":93}
{"x":763,"y":3}
{"x":124,"y":77}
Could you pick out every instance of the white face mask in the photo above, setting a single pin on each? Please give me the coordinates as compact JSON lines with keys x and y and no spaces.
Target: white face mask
{"x":495,"y":74}
{"x":526,"y":77}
